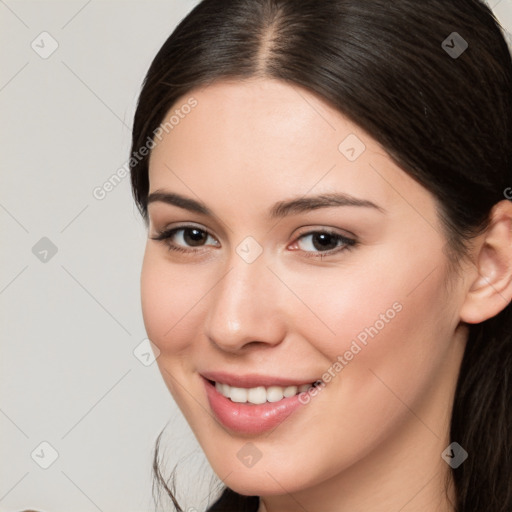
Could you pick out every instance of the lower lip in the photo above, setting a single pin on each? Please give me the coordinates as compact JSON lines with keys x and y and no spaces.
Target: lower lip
{"x":249,"y":418}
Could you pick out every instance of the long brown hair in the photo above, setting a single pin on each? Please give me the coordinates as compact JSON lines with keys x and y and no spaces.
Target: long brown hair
{"x":444,"y":116}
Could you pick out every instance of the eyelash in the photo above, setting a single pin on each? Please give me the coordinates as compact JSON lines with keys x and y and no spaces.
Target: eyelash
{"x":348,"y":243}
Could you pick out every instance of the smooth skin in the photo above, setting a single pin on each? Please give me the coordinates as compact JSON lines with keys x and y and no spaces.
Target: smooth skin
{"x":372,"y":439}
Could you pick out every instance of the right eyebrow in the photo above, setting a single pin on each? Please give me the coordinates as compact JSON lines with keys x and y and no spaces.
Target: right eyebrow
{"x":180,"y":201}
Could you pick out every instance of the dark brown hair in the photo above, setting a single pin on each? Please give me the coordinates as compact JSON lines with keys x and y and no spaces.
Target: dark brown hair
{"x":445,"y":119}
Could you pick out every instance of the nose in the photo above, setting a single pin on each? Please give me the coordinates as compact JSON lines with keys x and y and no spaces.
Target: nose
{"x":246,"y":307}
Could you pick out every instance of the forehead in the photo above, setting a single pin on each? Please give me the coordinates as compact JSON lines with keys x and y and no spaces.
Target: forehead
{"x":264,"y":134}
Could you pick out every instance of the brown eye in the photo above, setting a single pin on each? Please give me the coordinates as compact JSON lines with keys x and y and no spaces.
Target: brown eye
{"x":194,"y":237}
{"x":323,"y":242}
{"x":185,"y":238}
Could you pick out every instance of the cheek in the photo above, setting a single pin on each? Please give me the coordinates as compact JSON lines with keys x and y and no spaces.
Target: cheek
{"x":384,"y":315}
{"x":168,"y":298}
{"x":396,"y":363}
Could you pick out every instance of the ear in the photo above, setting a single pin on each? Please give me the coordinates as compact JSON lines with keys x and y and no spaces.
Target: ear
{"x":490,"y":287}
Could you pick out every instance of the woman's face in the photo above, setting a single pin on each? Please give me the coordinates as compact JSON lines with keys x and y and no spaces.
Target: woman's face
{"x":300,"y":251}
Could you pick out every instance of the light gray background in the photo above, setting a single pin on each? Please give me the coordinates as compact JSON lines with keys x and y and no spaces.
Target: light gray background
{"x":70,"y":325}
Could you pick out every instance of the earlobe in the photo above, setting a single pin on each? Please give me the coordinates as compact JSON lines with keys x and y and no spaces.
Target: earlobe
{"x":491,"y":288}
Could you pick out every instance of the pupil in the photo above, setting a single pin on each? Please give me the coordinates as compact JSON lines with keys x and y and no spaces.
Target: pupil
{"x":193,"y":236}
{"x":325,"y":241}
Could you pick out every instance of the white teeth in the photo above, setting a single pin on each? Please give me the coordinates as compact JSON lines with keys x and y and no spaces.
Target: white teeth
{"x":238,"y":394}
{"x":290,"y":391}
{"x":260,"y":394}
{"x":275,"y":393}
{"x":257,"y":395}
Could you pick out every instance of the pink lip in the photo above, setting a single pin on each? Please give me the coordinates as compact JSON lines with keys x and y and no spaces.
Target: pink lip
{"x":253,"y":380}
{"x":249,"y":418}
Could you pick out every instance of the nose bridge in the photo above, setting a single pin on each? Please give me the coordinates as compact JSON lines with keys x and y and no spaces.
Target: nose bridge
{"x":245,"y":304}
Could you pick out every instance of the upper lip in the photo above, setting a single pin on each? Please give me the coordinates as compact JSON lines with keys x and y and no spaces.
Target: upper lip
{"x":252,"y":380}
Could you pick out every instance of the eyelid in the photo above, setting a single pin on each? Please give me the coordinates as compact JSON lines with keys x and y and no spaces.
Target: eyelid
{"x":308,"y":230}
{"x":166,"y":233}
{"x":175,"y":227}
{"x":325,"y":229}
{"x":347,"y":242}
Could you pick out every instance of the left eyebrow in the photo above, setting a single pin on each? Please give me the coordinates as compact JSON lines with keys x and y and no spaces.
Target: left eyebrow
{"x":302,"y":204}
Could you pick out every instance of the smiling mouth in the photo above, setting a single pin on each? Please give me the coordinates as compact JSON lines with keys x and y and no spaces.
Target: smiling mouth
{"x":260,"y":394}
